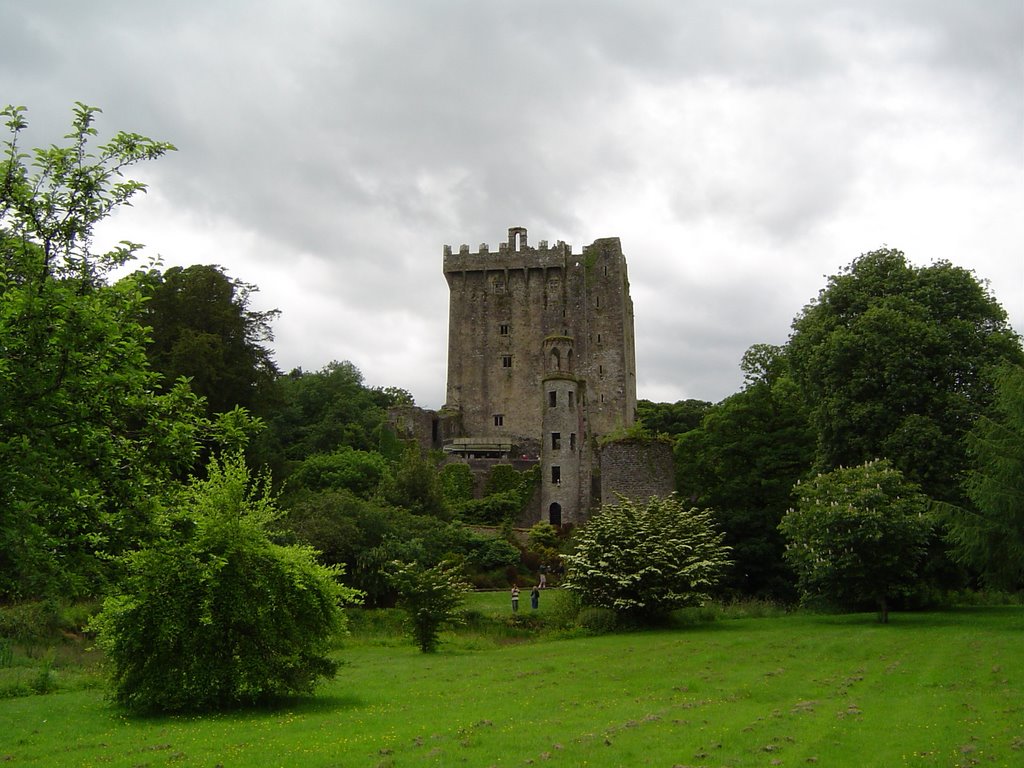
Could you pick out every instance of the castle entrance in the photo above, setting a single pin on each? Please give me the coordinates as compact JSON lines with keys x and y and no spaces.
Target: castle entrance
{"x":555,"y":514}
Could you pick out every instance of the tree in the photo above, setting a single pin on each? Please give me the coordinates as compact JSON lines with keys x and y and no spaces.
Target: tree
{"x":858,"y":534}
{"x":671,"y":418}
{"x":86,"y":442}
{"x":742,"y":461}
{"x":213,"y":613}
{"x":431,"y":596}
{"x":202,"y":328}
{"x":895,"y":360}
{"x":990,"y":535}
{"x":646,"y":559}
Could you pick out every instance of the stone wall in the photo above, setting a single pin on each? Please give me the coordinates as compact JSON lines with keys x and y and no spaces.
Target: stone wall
{"x":636,"y":469}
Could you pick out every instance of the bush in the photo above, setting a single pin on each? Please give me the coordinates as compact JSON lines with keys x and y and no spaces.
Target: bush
{"x":214,"y":614}
{"x":645,"y":560}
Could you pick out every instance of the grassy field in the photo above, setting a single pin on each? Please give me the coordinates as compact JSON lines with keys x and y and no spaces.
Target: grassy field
{"x":930,"y":689}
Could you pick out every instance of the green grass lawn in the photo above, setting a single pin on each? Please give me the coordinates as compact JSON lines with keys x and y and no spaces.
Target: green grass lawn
{"x":930,"y":689}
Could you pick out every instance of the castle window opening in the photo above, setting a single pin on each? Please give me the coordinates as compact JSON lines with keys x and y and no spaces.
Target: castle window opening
{"x":599,"y":338}
{"x":499,"y":419}
{"x":556,"y":360}
{"x":556,"y":441}
{"x":556,"y":475}
{"x":555,"y":514}
{"x":571,"y":398}
{"x":503,"y":329}
{"x":572,"y":441}
{"x":506,"y":361}
{"x":552,"y":398}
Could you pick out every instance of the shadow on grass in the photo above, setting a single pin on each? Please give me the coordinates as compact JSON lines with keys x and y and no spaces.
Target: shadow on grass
{"x":275,"y":705}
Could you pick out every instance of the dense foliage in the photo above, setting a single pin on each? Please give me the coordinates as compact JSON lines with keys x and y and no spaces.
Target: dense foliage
{"x":646,"y":559}
{"x":742,"y":461}
{"x":213,"y":613}
{"x":86,"y":441}
{"x":857,"y":535}
{"x":990,"y":536}
{"x":202,"y":328}
{"x":896,"y":360}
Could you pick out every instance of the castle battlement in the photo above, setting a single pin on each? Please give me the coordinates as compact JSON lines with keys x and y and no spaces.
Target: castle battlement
{"x":516,"y":253}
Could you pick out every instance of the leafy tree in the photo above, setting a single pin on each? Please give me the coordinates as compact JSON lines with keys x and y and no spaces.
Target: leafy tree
{"x":893,"y":361}
{"x":741,"y":462}
{"x":214,"y":614}
{"x":991,"y":539}
{"x":322,"y":412}
{"x":203,"y":329}
{"x":365,"y":536}
{"x":646,"y":559}
{"x":431,"y":596}
{"x":671,"y":418}
{"x":360,"y":472}
{"x":858,"y":534}
{"x":416,"y":486}
{"x":86,"y":443}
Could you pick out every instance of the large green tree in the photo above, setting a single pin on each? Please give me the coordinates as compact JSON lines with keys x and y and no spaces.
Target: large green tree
{"x":989,"y":536}
{"x":202,"y":327}
{"x":895,"y":361}
{"x":86,"y":443}
{"x":856,"y":535}
{"x":741,"y":462}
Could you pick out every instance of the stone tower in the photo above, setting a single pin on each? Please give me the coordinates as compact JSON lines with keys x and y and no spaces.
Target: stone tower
{"x":541,"y":361}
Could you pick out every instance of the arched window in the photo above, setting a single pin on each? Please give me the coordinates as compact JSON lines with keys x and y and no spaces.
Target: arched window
{"x":555,"y":514}
{"x":556,"y":360}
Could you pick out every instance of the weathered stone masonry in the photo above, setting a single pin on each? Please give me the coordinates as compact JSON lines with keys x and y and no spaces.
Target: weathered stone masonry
{"x":541,"y":364}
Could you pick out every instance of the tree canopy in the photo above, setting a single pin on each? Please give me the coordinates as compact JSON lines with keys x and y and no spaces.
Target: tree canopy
{"x":990,"y":535}
{"x":896,"y":360}
{"x":203,"y":328}
{"x":86,"y":441}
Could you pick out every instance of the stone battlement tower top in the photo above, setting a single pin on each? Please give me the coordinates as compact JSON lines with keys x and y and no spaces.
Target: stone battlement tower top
{"x":541,"y":356}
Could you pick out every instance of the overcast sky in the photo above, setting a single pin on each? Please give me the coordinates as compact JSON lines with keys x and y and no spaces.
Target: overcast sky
{"x":742,"y":150}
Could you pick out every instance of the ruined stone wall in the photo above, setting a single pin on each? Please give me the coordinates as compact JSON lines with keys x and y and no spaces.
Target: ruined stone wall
{"x":636,"y":469}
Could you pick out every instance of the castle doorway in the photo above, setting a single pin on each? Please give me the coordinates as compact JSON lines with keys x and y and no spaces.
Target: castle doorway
{"x":555,"y":514}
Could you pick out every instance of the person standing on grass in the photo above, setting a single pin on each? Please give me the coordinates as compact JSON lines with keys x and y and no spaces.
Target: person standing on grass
{"x":515,"y":598}
{"x":535,"y":597}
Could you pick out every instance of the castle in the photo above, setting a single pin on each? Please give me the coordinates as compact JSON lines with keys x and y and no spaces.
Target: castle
{"x":541,"y":366}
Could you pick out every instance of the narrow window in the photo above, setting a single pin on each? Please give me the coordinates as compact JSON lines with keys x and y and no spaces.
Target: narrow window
{"x":556,"y":441}
{"x":600,"y":369}
{"x":552,"y":399}
{"x":506,"y":361}
{"x":599,"y":338}
{"x":499,"y":420}
{"x":572,"y":441}
{"x":556,"y":475}
{"x":598,"y":300}
{"x":571,"y":393}
{"x":503,"y":329}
